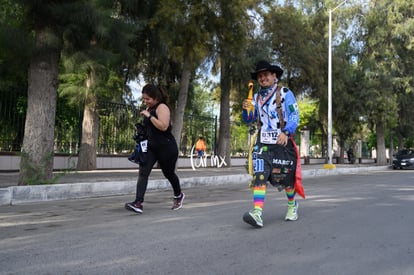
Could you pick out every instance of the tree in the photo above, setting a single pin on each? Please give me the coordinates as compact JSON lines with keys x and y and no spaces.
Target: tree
{"x":384,"y":65}
{"x":302,"y":53}
{"x":37,"y":150}
{"x":348,"y":107}
{"x":93,"y":71}
{"x":300,"y":50}
{"x":402,"y":69}
{"x":54,"y":25}
{"x":230,"y":47}
{"x":189,"y":21}
{"x":14,"y":55}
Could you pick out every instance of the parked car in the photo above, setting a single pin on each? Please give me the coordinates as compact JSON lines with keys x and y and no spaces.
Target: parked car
{"x":403,"y":159}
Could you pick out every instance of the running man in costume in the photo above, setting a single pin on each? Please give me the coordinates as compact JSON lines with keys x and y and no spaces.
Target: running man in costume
{"x":275,"y":156}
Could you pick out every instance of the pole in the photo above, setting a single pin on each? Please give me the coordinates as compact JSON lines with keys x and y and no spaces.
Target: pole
{"x":330,"y":165}
{"x":330,"y":91}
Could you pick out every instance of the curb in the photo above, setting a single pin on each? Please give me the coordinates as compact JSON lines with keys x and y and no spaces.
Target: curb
{"x":39,"y":193}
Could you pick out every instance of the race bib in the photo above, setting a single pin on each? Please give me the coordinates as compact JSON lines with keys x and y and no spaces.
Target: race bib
{"x":269,"y":137}
{"x":144,"y":145}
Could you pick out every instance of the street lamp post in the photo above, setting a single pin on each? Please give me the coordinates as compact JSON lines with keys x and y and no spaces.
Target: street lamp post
{"x":330,"y":165}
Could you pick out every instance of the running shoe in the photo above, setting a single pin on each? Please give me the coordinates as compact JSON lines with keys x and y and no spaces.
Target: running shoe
{"x":292,"y":212}
{"x":253,"y":218}
{"x":178,"y":202}
{"x":134,"y":206}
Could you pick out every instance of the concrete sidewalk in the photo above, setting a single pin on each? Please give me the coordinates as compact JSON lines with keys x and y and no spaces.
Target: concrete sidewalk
{"x":122,"y":182}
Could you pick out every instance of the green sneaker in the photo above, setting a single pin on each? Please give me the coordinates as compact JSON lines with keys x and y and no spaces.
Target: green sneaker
{"x":253,"y":218}
{"x":292,"y":212}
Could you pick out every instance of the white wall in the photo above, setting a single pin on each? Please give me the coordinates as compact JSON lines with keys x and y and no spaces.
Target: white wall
{"x":12,"y":162}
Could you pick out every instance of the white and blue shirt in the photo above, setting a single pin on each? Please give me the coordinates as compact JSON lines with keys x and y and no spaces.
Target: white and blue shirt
{"x":265,"y":109}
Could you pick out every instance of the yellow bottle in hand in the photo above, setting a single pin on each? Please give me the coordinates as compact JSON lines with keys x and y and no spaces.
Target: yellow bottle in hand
{"x":250,"y":110}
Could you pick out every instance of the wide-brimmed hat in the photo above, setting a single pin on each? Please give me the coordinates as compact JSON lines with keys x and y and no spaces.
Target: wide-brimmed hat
{"x":263,"y":66}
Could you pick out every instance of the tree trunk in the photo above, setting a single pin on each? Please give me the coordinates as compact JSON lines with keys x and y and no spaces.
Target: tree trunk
{"x":391,"y":152}
{"x":224,"y":130}
{"x":341,"y":151}
{"x":90,"y":132}
{"x":381,"y":155}
{"x":36,"y":164}
{"x":400,"y":142}
{"x":182,"y":100}
{"x":87,"y":150}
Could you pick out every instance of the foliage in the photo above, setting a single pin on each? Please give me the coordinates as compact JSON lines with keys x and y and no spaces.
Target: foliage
{"x":199,"y":119}
{"x":240,"y":140}
{"x":388,"y":79}
{"x":14,"y":53}
{"x":115,"y":41}
{"x":67,"y":126}
{"x":14,"y":41}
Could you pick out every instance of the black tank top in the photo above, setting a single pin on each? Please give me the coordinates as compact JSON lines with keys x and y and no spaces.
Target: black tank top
{"x":156,"y":136}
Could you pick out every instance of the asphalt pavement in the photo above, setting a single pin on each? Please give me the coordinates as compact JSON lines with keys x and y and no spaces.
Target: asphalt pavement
{"x":358,"y":223}
{"x":99,"y":183}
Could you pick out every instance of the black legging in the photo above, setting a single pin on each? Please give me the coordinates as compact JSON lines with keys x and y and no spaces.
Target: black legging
{"x":167,"y":156}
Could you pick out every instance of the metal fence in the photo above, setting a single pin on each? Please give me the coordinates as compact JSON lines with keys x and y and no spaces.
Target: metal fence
{"x":12,"y":119}
{"x":116,"y":130}
{"x":116,"y":127}
{"x":196,"y":126}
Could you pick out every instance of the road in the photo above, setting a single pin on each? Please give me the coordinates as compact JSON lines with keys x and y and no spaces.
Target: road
{"x":348,"y":224}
